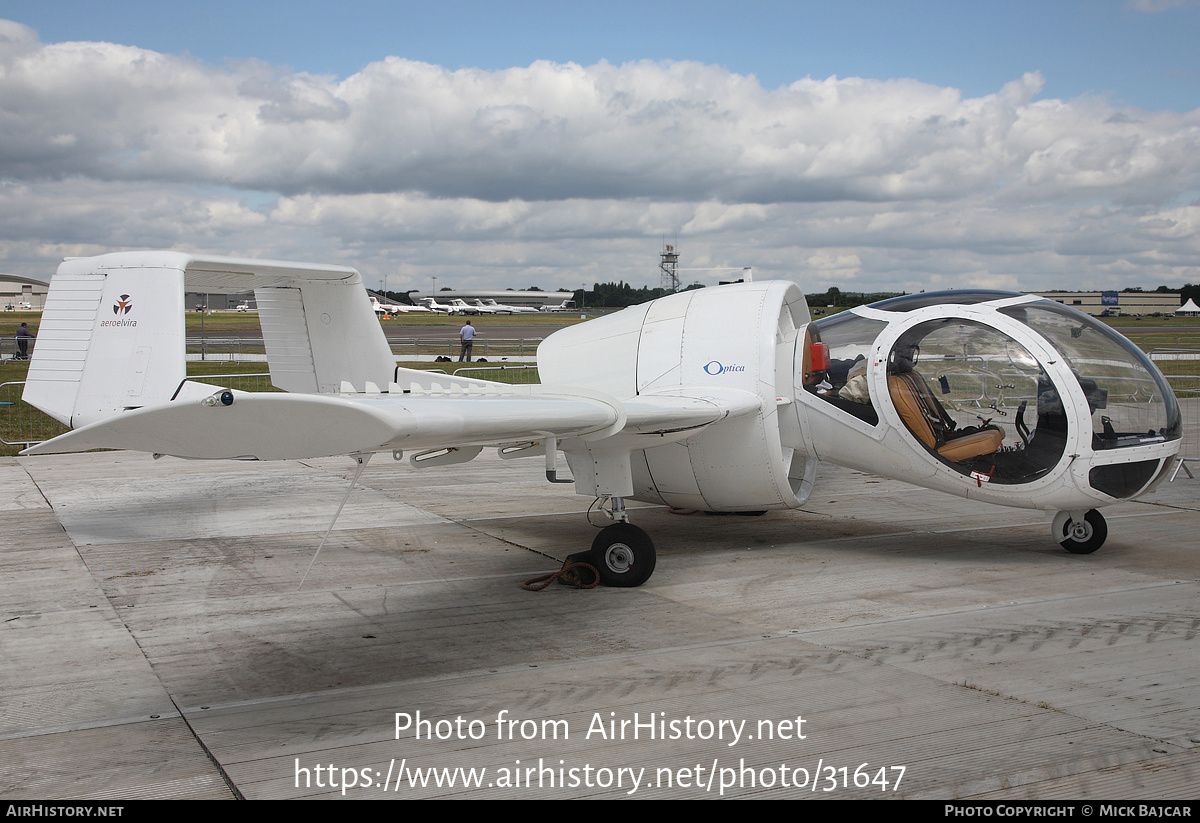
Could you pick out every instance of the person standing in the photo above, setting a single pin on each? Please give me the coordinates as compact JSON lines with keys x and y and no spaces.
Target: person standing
{"x":24,"y":335}
{"x":466,"y":334}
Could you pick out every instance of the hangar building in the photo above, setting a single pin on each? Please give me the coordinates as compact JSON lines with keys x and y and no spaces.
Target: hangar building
{"x":15,"y":290}
{"x":1116,"y":302}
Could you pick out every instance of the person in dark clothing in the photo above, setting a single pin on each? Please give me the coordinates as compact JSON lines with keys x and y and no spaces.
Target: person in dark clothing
{"x":24,"y":335}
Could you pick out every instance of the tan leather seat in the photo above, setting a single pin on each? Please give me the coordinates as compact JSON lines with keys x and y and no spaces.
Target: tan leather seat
{"x":928,"y":421}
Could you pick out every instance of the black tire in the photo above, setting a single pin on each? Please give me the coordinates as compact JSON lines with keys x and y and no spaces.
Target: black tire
{"x":624,"y":555}
{"x":1089,"y":538}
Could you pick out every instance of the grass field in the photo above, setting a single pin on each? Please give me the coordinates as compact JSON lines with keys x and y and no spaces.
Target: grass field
{"x":1159,"y":332}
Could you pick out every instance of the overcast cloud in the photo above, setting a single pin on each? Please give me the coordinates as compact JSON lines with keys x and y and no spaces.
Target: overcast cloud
{"x":560,"y":174}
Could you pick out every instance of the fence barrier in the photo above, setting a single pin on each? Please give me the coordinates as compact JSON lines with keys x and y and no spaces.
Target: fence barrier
{"x":20,"y":423}
{"x":1182,"y":370}
{"x":522,"y":374}
{"x":253,"y":350}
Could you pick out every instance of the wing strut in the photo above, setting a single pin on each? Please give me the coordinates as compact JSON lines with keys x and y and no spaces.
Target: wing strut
{"x":362,"y":459}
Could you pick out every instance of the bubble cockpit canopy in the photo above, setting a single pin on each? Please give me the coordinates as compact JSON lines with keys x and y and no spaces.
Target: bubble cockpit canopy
{"x":982,"y":381}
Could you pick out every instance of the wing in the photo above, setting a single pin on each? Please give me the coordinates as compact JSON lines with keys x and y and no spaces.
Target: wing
{"x":206,"y":421}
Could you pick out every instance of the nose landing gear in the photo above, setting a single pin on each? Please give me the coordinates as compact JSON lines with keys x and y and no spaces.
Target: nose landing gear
{"x":1080,"y":532}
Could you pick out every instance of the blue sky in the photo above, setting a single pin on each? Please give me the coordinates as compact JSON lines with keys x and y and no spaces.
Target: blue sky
{"x":1146,"y":59}
{"x":868,"y":145}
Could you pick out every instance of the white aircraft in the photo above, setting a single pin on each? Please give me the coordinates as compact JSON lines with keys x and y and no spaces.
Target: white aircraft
{"x":463,"y":307}
{"x":720,"y":399}
{"x":396,"y":308}
{"x":433,"y":305}
{"x":501,"y":308}
{"x":563,"y":306}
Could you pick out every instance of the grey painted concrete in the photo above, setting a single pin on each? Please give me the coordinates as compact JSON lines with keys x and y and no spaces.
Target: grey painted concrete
{"x":154,"y":643}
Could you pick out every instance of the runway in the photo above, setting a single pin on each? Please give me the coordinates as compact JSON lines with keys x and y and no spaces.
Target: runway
{"x":922,"y":646}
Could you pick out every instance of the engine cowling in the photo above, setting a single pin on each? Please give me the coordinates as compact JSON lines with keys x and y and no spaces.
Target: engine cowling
{"x":741,"y":337}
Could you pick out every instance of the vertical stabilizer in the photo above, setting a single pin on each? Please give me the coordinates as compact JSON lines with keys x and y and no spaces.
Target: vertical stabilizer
{"x":111,"y":336}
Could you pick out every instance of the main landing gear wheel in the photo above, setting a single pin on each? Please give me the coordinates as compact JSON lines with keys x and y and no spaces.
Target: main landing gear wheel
{"x":624,"y":555}
{"x":1080,"y":536}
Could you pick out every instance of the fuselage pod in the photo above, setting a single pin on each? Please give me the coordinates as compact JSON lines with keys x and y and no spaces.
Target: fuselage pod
{"x":1004,"y":397}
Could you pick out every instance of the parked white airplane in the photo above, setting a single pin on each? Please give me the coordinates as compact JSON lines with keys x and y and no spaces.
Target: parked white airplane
{"x":396,"y":308}
{"x":501,"y":308}
{"x":563,"y":306}
{"x":721,"y":399}
{"x":463,"y":307}
{"x":433,"y":305}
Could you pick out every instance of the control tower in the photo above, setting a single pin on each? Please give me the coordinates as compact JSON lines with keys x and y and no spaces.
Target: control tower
{"x":667,"y":267}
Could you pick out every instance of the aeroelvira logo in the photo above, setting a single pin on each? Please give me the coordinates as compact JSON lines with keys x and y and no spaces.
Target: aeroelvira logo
{"x":714,"y":367}
{"x":123,"y":306}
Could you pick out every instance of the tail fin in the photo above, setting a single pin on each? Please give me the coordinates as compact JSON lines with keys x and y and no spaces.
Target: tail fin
{"x":112,"y":332}
{"x":111,"y":337}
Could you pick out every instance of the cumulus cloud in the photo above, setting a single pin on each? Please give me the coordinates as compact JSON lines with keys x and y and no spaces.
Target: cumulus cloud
{"x":551,"y":131}
{"x":552,"y":169}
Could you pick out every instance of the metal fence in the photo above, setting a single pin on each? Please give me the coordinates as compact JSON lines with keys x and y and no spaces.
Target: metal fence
{"x":10,"y":348}
{"x":226,"y":349}
{"x":22,"y":424}
{"x":1149,"y":341}
{"x":1182,"y":370}
{"x":252,"y":349}
{"x":241,"y":382}
{"x":492,"y":349}
{"x":521,"y":374}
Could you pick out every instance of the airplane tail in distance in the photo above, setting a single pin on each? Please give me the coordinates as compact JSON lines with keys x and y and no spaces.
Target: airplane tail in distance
{"x":112,"y":333}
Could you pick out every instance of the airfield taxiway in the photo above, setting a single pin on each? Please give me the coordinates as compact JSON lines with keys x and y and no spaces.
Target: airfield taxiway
{"x":154,"y":643}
